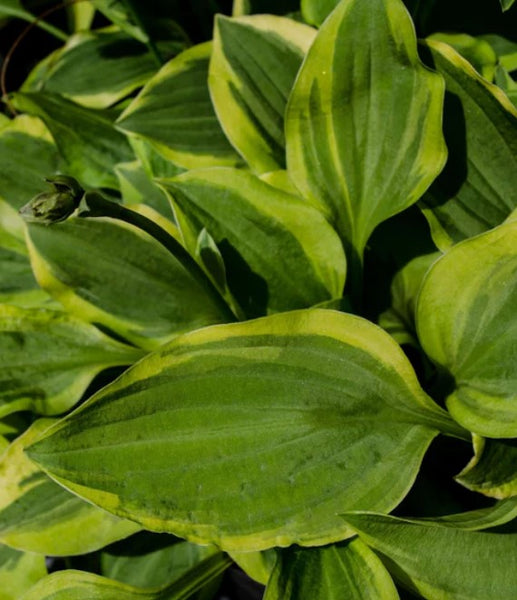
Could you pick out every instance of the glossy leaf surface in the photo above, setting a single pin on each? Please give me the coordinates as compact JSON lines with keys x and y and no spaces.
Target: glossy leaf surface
{"x":38,"y":515}
{"x":252,"y":70}
{"x":255,"y":432}
{"x":484,"y":564}
{"x":86,"y":138}
{"x":348,"y":570}
{"x":175,"y":113}
{"x":49,"y":358}
{"x":263,"y":234}
{"x":19,"y":571}
{"x":363,"y":124}
{"x":493,"y":469}
{"x":476,"y":190}
{"x":80,"y":262}
{"x":466,"y":323}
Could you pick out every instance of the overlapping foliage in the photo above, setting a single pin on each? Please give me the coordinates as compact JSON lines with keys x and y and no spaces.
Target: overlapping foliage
{"x":265,"y":313}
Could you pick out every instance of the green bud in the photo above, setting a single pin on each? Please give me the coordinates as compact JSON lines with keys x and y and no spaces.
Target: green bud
{"x":56,"y":205}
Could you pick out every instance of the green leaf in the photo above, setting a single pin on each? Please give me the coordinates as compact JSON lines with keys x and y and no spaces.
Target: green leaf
{"x":14,"y":8}
{"x":399,"y":319}
{"x":477,"y":51}
{"x":28,"y":155}
{"x":80,"y":261}
{"x":279,"y":252}
{"x":506,"y":50}
{"x":38,"y":515}
{"x":493,"y":469}
{"x":85,"y":137}
{"x":80,"y":16}
{"x":175,"y":113}
{"x":118,"y":11}
{"x":49,"y":359}
{"x":153,"y":566}
{"x":349,"y":570}
{"x":363,"y":124}
{"x":466,"y":323}
{"x":252,"y":70}
{"x":484,"y":518}
{"x":507,"y":84}
{"x":97,"y":69}
{"x":257,"y":565}
{"x":475,"y":191}
{"x":506,"y":4}
{"x":256,"y":433}
{"x":277,"y":7}
{"x":137,"y":187}
{"x":316,"y":11}
{"x":442,"y":563}
{"x":19,"y":571}
{"x":78,"y":585}
{"x":17,"y":283}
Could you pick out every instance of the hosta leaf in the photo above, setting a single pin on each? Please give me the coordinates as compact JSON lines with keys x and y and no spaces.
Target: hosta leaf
{"x":86,"y":138}
{"x":399,"y":319}
{"x":78,"y":585}
{"x":263,"y":234}
{"x":38,"y":515}
{"x":17,"y":283}
{"x":175,"y":113}
{"x":277,"y":7}
{"x":137,"y":187}
{"x":348,"y":570}
{"x":150,"y":566}
{"x":442,"y":563}
{"x":484,"y":518}
{"x":14,"y":8}
{"x":257,"y":565}
{"x":97,"y":69}
{"x":316,"y":11}
{"x":507,"y":84}
{"x":252,"y":70}
{"x":80,"y":262}
{"x":27,"y":154}
{"x":476,"y":190}
{"x":256,"y":433}
{"x":19,"y":571}
{"x":80,"y":16}
{"x":506,"y":4}
{"x":49,"y":359}
{"x":120,"y":13}
{"x":363,"y":124}
{"x":477,"y":51}
{"x":506,"y":50}
{"x":493,"y":469}
{"x":466,"y":323}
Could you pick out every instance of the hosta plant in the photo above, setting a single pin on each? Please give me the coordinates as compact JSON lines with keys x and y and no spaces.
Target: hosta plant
{"x":258,"y":306}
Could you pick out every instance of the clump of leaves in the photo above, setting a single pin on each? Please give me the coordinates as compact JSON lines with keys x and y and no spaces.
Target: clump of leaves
{"x":265,"y":312}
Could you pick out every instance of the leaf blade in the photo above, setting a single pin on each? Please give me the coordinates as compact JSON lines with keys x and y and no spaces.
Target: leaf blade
{"x":224,"y":412}
{"x":339,"y":138}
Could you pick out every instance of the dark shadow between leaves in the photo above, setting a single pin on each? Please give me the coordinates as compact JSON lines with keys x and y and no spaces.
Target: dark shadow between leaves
{"x":453,"y":177}
{"x":249,"y":289}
